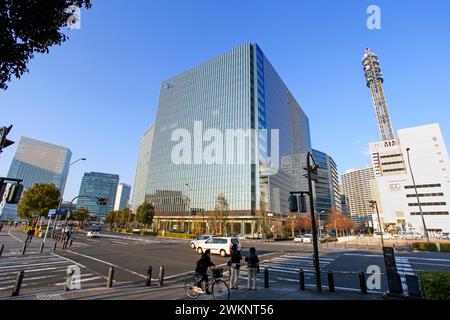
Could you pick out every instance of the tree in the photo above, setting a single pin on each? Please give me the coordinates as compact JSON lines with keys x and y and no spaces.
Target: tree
{"x":145,"y":213}
{"x":303,"y":223}
{"x":28,"y":27}
{"x":339,"y":222}
{"x":127,"y":217}
{"x":40,"y":199}
{"x":81,"y":215}
{"x":220,"y":213}
{"x":110,"y":217}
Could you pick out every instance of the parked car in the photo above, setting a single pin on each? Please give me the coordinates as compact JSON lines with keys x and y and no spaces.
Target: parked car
{"x":306,"y":238}
{"x":200,"y":239}
{"x":409,"y":235}
{"x":218,"y":245}
{"x":94,"y":233}
{"x":443,"y":235}
{"x":386,"y":236}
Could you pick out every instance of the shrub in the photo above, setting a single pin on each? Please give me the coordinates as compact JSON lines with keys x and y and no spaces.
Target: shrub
{"x":423,"y":246}
{"x":445,"y":247}
{"x":435,"y":285}
{"x":177,"y":235}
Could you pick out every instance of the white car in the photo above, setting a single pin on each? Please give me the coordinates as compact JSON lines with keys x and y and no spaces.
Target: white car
{"x":443,"y":235}
{"x":219,"y":245}
{"x":404,"y":235}
{"x":93,"y":234}
{"x":306,"y":238}
{"x":386,"y":236}
{"x":200,"y":239}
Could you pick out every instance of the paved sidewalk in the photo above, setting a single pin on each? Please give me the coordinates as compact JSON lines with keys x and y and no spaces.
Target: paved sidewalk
{"x":176,"y":292}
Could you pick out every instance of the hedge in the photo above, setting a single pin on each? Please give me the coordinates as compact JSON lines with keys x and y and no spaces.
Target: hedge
{"x":176,"y":235}
{"x":445,"y":247}
{"x":423,"y":246}
{"x":435,"y":285}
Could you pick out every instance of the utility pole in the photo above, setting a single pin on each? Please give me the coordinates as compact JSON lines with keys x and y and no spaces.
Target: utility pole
{"x":425,"y":230}
{"x":374,"y":205}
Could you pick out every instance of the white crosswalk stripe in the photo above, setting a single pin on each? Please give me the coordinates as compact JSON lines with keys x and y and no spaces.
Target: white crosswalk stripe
{"x":41,"y":272}
{"x":403,"y":268}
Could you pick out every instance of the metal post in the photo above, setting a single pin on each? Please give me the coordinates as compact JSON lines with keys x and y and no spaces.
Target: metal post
{"x":42,"y":247}
{"x":1,"y":249}
{"x":18,"y":284}
{"x":110,"y":277}
{"x":266,"y":278}
{"x":54,"y":246}
{"x":362,"y":282}
{"x":331,"y":281}
{"x":48,"y":226}
{"x":301,"y":280}
{"x":161,"y":276}
{"x":24,"y":248}
{"x":425,"y":230}
{"x":148,"y":283}
{"x":313,"y":225}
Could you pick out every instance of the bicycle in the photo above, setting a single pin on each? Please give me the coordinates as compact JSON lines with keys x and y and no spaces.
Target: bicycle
{"x":219,"y":288}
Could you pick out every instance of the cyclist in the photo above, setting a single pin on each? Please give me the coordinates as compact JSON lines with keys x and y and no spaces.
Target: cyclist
{"x":202,"y":267}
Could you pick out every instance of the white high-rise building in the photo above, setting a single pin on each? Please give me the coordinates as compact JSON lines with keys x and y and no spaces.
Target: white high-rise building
{"x":122,"y":197}
{"x":357,"y":190}
{"x":393,"y":188}
{"x":142,"y":169}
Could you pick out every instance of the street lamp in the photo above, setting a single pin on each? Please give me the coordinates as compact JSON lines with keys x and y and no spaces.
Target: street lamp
{"x":374,"y":205}
{"x":61,"y":196}
{"x":189,"y":209}
{"x":418,"y":198}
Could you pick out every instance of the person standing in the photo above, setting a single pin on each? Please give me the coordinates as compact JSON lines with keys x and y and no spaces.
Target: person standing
{"x":30,"y":234}
{"x":235,"y":266}
{"x":252,"y":267}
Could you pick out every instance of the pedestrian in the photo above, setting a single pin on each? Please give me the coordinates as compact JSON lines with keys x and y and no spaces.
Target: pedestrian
{"x":252,"y":267}
{"x":235,"y":265}
{"x":1,"y":226}
{"x":30,"y":234}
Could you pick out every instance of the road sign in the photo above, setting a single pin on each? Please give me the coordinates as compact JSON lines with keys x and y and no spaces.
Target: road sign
{"x":52,"y":212}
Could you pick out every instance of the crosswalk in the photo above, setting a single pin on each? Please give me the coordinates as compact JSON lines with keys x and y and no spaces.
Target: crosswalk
{"x":285,"y":268}
{"x":48,"y":271}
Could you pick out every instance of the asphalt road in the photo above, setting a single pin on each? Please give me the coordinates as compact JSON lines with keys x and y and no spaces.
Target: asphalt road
{"x":131,"y":255}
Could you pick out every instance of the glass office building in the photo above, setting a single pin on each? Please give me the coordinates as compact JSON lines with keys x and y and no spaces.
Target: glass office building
{"x":37,"y":162}
{"x":238,"y":94}
{"x":98,"y":185}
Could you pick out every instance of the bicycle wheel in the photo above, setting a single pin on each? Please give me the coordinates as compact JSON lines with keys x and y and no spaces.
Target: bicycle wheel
{"x":190,"y":284}
{"x":220,"y":290}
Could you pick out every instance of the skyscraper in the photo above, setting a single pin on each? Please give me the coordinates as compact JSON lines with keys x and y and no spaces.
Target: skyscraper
{"x":142,"y":169}
{"x":98,"y":185}
{"x":122,"y":196}
{"x":357,"y":190}
{"x":38,"y":162}
{"x":197,"y":153}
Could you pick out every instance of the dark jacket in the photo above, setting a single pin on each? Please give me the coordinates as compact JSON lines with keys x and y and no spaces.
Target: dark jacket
{"x":235,"y":256}
{"x":252,"y":260}
{"x":30,"y":232}
{"x":203,"y":264}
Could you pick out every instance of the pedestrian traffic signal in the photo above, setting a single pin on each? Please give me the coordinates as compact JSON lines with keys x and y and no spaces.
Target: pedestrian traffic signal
{"x":293,"y":204}
{"x":303,"y":206}
{"x":15,"y":192}
{"x":102,"y":201}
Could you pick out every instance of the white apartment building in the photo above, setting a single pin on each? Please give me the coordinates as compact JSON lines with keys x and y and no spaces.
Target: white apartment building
{"x":393,"y":187}
{"x":357,"y":190}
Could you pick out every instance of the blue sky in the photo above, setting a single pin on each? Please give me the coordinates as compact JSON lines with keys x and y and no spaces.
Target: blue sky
{"x":98,"y":92}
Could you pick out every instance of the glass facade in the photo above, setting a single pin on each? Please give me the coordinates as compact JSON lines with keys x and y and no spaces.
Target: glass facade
{"x":122,"y":197}
{"x":37,"y":162}
{"x":236,"y":92}
{"x":98,"y":185}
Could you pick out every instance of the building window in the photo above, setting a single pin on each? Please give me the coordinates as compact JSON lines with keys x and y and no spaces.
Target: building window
{"x":439,"y":194}
{"x":436,"y":185}
{"x":426,"y":204}
{"x":391,"y":156}
{"x":435,"y":139}
{"x":431,"y":213}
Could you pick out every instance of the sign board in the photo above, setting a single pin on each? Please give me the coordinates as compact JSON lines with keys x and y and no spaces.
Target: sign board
{"x":394,"y":281}
{"x":52,"y":212}
{"x":7,"y":187}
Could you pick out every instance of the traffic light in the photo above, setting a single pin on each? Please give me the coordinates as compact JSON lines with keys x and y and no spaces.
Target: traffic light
{"x":102,"y":201}
{"x":15,"y":192}
{"x":4,"y":143}
{"x":303,"y":206}
{"x":293,"y":205}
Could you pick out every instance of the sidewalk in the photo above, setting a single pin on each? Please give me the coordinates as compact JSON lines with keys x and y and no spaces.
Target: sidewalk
{"x":176,"y":292}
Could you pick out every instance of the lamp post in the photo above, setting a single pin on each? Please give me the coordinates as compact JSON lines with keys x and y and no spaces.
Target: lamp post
{"x":374,"y":205}
{"x":61,"y":196}
{"x":425,"y":230}
{"x":189,"y":209}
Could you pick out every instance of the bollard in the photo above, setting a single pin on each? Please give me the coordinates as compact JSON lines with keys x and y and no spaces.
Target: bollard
{"x":69,"y":277}
{"x":54,"y":246}
{"x":301,"y":280}
{"x":362,"y":282}
{"x":110,"y":277}
{"x":18,"y":284}
{"x":161,"y":276}
{"x":331,"y":281}
{"x":148,"y":282}
{"x":1,"y":249}
{"x":24,"y":249}
{"x":41,"y":248}
{"x":266,"y":277}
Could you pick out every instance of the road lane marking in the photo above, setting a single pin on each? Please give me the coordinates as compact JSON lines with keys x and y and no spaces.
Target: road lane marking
{"x":109,"y":264}
{"x":9,"y":232}
{"x":67,"y":259}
